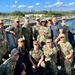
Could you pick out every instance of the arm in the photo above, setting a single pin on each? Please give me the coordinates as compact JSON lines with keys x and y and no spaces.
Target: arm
{"x":9,"y":29}
{"x":40,"y":61}
{"x":32,"y":62}
{"x":48,"y":34}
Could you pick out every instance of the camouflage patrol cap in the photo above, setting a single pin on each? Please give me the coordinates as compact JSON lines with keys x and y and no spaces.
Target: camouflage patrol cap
{"x":62,"y":35}
{"x":1,"y":21}
{"x":37,"y":18}
{"x":16,"y":19}
{"x":48,"y":40}
{"x":63,"y":17}
{"x":26,"y":18}
{"x":43,"y":20}
{"x":49,"y":18}
{"x":20,"y":39}
{"x":35,"y":42}
{"x":14,"y":51}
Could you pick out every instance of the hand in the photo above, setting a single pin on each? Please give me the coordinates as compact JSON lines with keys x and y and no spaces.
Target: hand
{"x":43,"y":33}
{"x":5,"y":40}
{"x":24,"y":66}
{"x":74,"y":32}
{"x":55,"y":40}
{"x":34,"y":66}
{"x":46,"y":59}
{"x":14,"y":34}
{"x":23,"y":73}
{"x":33,"y":38}
{"x":38,"y":65}
{"x":66,"y":60}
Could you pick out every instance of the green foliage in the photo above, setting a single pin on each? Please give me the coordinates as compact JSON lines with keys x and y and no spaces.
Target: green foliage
{"x":47,"y":13}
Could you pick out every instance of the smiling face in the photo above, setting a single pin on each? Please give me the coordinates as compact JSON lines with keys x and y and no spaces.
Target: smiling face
{"x":17,"y":23}
{"x":54,"y":20}
{"x":49,"y":44}
{"x":63,"y":39}
{"x":27,"y":21}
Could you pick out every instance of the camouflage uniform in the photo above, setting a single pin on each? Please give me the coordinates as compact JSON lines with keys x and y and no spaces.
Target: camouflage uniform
{"x":27,"y":33}
{"x":17,"y":30}
{"x":51,"y":53}
{"x":42,"y":37}
{"x":66,"y":49}
{"x":49,"y":25}
{"x":3,"y":45}
{"x":36,"y":55}
{"x":36,"y":31}
{"x":65,"y":29}
{"x":7,"y":68}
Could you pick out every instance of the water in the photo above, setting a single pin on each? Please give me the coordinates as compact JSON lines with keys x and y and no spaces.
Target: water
{"x":69,"y":22}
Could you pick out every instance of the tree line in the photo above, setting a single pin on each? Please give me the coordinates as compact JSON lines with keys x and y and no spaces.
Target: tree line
{"x":47,"y":13}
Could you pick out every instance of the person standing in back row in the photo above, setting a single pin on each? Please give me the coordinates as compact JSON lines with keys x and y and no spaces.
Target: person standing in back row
{"x":14,"y":32}
{"x":36,"y":29}
{"x":3,"y":41}
{"x":27,"y":34}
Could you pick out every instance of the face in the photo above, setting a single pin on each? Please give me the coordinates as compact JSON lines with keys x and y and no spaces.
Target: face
{"x":38,"y":21}
{"x":1,"y":25}
{"x":20,"y":44}
{"x":54,"y":20}
{"x":17,"y":23}
{"x":43,"y":23}
{"x":63,"y":20}
{"x":15,"y":57}
{"x":49,"y":44}
{"x":36,"y":46}
{"x":63,"y":39}
{"x":27,"y":22}
{"x":49,"y":21}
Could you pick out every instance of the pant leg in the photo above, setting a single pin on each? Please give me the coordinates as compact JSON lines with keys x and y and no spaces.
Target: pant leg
{"x":68,"y":67}
{"x":54,"y":68}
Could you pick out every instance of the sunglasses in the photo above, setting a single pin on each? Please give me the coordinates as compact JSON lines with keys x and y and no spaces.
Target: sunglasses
{"x":17,"y":21}
{"x":62,"y":37}
{"x":49,"y":20}
{"x":35,"y":44}
{"x":38,"y":20}
{"x":63,"y":19}
{"x":1,"y":23}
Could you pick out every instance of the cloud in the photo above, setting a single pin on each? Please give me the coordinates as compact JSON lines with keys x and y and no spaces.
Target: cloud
{"x":30,"y":7}
{"x":13,"y":6}
{"x":16,"y":2}
{"x":47,"y":2}
{"x":37,"y":4}
{"x":71,"y":4}
{"x":22,"y":6}
{"x":58,"y":4}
